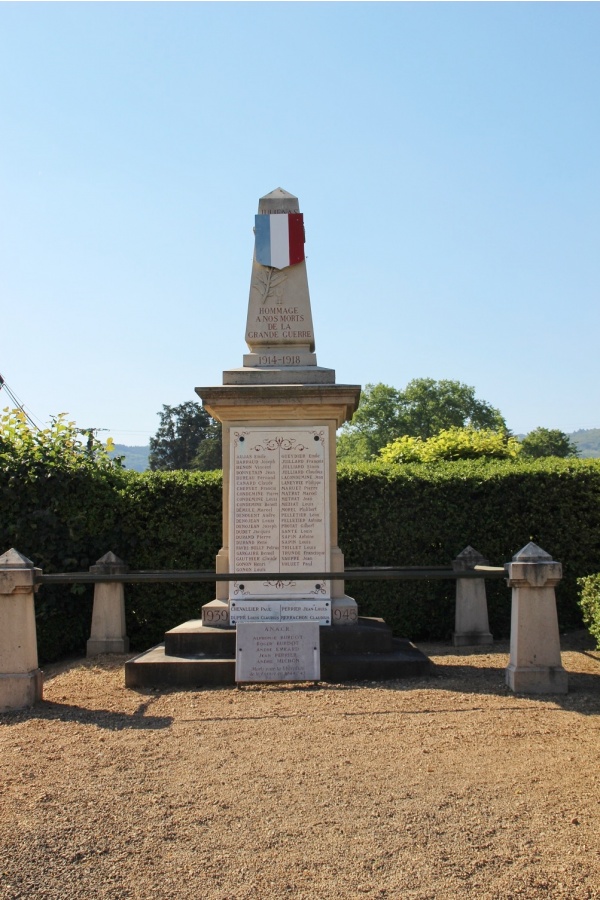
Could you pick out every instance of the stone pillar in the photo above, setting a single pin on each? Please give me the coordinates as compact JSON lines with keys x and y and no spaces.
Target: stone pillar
{"x":471,"y":617}
{"x":108,"y":615}
{"x":20,"y":677}
{"x":535,"y":665}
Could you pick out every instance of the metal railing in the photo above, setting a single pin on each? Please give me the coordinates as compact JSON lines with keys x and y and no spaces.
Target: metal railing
{"x":367,"y":573}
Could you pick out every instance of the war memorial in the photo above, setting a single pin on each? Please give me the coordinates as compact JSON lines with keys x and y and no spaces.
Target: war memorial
{"x":280,"y":412}
{"x":281,"y":612}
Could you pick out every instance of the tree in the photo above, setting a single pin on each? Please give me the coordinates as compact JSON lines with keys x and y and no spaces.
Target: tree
{"x":548,"y":442}
{"x":58,"y":446}
{"x":453,"y":443}
{"x":210,"y":451}
{"x":424,"y":408}
{"x":374,"y":424}
{"x":181,"y":436}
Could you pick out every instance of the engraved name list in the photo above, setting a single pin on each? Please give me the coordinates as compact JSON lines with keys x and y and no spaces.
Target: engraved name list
{"x":279,"y":509}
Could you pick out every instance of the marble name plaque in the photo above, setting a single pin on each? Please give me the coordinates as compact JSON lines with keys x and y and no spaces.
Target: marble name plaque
{"x":253,"y":611}
{"x":279,"y":510}
{"x":318,"y":611}
{"x":284,"y":651}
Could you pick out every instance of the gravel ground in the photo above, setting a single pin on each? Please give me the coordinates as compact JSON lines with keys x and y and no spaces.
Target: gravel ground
{"x":441,"y":787}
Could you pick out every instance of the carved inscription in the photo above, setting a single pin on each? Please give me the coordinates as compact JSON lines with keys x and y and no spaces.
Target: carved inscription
{"x":279,"y":510}
{"x":277,"y":652}
{"x":278,"y":323}
{"x":287,"y":210}
{"x":282,"y":360}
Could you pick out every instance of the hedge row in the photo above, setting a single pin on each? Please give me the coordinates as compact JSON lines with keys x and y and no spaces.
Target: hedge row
{"x":420,"y":515}
{"x":409,"y":515}
{"x":589,"y":602}
{"x":65,"y":520}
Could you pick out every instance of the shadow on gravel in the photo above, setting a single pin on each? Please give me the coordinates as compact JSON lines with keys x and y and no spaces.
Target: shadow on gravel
{"x":583,"y":696}
{"x":101,"y":718}
{"x":579,"y":682}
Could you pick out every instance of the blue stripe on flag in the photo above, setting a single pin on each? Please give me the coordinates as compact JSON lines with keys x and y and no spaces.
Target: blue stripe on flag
{"x":262,"y":231}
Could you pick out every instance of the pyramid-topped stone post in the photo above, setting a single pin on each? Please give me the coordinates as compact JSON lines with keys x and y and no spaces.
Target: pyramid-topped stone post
{"x":20,"y":677}
{"x":535,"y":665}
{"x":108,"y":633}
{"x":471,"y":626}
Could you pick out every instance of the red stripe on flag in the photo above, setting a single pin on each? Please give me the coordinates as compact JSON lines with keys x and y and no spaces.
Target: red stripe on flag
{"x":296,"y":233}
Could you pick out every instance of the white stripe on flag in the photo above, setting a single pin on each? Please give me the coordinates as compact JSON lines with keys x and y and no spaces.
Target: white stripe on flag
{"x":280,"y":241}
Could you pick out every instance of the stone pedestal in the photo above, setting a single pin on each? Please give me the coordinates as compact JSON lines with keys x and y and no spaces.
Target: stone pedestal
{"x":20,"y":677}
{"x":471,"y":617}
{"x":290,"y":428}
{"x":535,"y":665}
{"x":108,"y":634}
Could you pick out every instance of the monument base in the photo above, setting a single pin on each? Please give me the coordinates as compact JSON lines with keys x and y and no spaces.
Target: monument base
{"x":279,"y":375}
{"x":344,"y":611}
{"x":20,"y":690}
{"x":216,"y":614}
{"x":194,"y":655}
{"x":537,"y":679}
{"x":95,"y":646}
{"x":471,"y":638}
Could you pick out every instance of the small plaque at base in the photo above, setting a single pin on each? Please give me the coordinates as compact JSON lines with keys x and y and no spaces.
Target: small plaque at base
{"x":277,"y":651}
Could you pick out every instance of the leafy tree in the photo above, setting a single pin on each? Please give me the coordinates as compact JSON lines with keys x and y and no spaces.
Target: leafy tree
{"x":548,"y":442}
{"x":58,"y":445}
{"x":179,"y":441}
{"x":210,"y":452}
{"x":453,"y":443}
{"x":424,"y":408}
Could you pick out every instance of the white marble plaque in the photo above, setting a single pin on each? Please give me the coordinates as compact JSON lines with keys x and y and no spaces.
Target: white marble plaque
{"x":284,"y":651}
{"x":318,"y":611}
{"x":241,"y":611}
{"x":279,"y":509}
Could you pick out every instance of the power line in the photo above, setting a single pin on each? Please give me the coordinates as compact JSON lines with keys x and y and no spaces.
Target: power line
{"x":17,"y":402}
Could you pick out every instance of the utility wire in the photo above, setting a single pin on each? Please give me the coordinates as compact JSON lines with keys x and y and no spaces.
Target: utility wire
{"x":17,"y":402}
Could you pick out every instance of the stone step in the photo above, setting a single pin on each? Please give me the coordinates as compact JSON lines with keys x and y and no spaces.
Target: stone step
{"x":403,"y":661}
{"x":193,"y":638}
{"x":155,"y":668}
{"x":369,"y":635}
{"x":160,"y":668}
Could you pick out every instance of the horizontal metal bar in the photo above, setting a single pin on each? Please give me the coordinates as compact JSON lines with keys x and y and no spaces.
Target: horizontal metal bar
{"x":374,"y":573}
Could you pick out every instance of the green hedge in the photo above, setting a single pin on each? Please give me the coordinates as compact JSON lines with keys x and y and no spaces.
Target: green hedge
{"x":589,"y":601}
{"x":409,"y":515}
{"x":172,"y":521}
{"x":63,"y":518}
{"x":425,"y":515}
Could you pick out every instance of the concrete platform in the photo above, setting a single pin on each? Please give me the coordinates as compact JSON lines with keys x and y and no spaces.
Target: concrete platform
{"x":194,"y":655}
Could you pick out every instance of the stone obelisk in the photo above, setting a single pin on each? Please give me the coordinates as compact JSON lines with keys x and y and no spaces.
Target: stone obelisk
{"x":280,"y":412}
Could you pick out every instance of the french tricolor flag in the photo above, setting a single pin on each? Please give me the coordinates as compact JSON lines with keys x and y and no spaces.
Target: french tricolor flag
{"x":279,"y":239}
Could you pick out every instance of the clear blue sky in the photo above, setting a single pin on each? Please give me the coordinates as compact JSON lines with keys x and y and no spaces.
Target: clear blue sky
{"x":447,"y":161}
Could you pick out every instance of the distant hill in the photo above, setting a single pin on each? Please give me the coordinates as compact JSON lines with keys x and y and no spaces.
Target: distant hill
{"x":588,"y":441}
{"x":136,"y":458}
